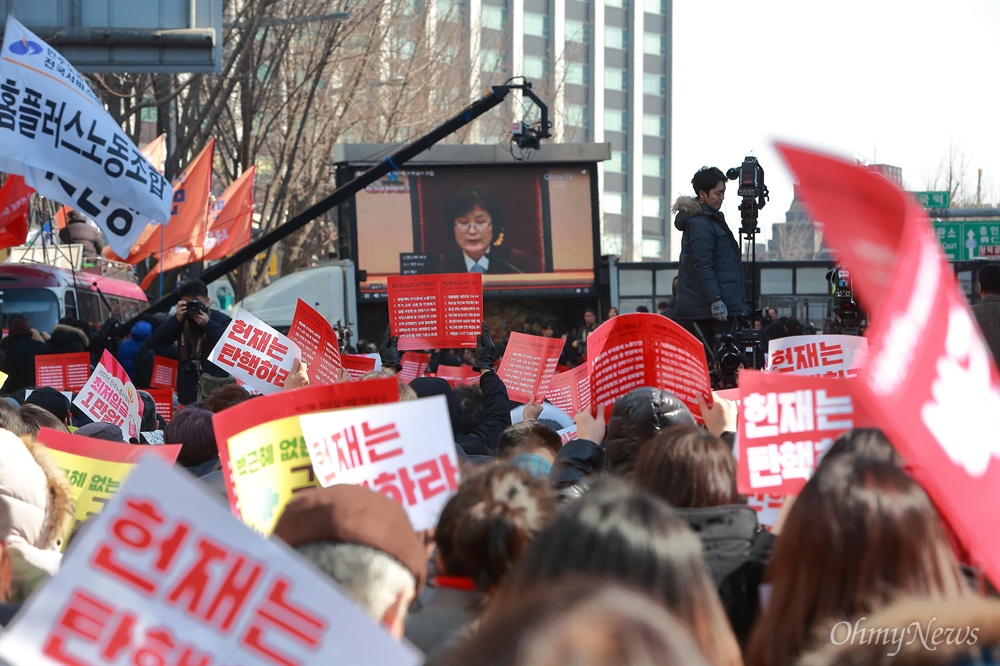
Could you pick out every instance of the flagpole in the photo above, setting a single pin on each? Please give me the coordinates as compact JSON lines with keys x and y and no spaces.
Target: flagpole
{"x":161,"y":258}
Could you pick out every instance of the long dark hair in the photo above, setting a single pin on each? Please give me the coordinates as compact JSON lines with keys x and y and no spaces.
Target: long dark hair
{"x":621,"y":533}
{"x":860,"y":535}
{"x":688,"y":467}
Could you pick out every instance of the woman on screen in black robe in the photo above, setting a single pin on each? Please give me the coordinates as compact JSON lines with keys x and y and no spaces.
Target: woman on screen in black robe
{"x":473,"y":220}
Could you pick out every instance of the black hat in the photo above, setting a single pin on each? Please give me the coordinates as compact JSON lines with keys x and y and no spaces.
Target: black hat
{"x":50,"y":400}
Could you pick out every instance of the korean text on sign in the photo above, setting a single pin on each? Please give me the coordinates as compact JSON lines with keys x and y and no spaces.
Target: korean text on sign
{"x":109,"y":396}
{"x":528,"y":365}
{"x":255,"y":353}
{"x":318,"y":342}
{"x":165,"y":576}
{"x":438,"y":311}
{"x":826,"y":355}
{"x":63,"y":372}
{"x":405,"y":451}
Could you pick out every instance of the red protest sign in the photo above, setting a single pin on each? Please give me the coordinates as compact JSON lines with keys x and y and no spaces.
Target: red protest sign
{"x":642,"y":349}
{"x":318,"y":341}
{"x":462,"y":374}
{"x":528,"y":366}
{"x":787,"y":422}
{"x":414,"y":364}
{"x":63,"y":372}
{"x":442,"y":311}
{"x":570,"y":391}
{"x":164,"y":399}
{"x":164,"y":373}
{"x":929,"y":381}
{"x":357,"y":365}
{"x":99,"y":449}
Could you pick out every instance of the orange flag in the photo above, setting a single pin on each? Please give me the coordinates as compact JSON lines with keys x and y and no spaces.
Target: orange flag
{"x":15,"y":196}
{"x":228,"y":229}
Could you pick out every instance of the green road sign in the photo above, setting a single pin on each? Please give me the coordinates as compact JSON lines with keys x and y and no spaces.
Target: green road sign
{"x":964,"y":240}
{"x":933,"y":199}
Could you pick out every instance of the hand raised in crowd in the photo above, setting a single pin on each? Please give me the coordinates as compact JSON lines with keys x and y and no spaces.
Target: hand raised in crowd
{"x":298,"y":377}
{"x":388,"y":351}
{"x":591,"y":427}
{"x":720,"y":417}
{"x":485,"y":351}
{"x":532,"y":411}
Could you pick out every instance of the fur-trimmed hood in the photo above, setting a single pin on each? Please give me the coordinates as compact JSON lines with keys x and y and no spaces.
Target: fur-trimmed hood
{"x":688,"y":207}
{"x":950,"y":631}
{"x":71,"y":331}
{"x":41,"y":503}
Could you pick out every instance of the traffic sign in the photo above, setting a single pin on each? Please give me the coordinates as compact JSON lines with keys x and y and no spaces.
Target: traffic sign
{"x":963,"y":240}
{"x":933,"y":199}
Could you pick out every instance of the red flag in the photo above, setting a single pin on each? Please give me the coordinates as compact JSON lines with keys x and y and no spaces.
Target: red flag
{"x":15,"y":197}
{"x":230,"y":218}
{"x":929,"y":382}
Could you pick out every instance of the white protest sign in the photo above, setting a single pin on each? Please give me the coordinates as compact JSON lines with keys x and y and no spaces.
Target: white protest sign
{"x":404,"y":450}
{"x":56,"y":133}
{"x":827,"y":355}
{"x":109,"y":396}
{"x":566,"y":435}
{"x":166,"y":575}
{"x":255,"y":354}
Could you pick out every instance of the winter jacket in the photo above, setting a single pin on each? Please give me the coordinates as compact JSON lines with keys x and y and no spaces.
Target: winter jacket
{"x":40,"y":502}
{"x":68,"y":340}
{"x":436,"y":627}
{"x":128,"y":348}
{"x":710,"y":263}
{"x":189,"y":373}
{"x":20,"y":361}
{"x":78,"y":231}
{"x":482,"y":441}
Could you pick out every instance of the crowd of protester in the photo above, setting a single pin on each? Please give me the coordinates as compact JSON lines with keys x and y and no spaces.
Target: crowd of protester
{"x":628,"y":545}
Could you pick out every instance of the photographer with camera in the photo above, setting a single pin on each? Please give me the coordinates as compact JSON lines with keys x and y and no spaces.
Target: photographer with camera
{"x":196,"y":328}
{"x":710,"y":289}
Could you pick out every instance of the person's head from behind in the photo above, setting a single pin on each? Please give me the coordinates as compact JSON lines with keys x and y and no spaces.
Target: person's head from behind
{"x":989,"y":280}
{"x":36,"y":418}
{"x":18,"y":327}
{"x":860,"y":535}
{"x":362,"y":540}
{"x":192,"y":428}
{"x":529,"y":323}
{"x":473,"y":217}
{"x":580,"y":621}
{"x":870,"y":443}
{"x":10,"y":419}
{"x":621,"y":533}
{"x":529,"y":437}
{"x":50,"y":400}
{"x":149,"y":422}
{"x":637,"y":417}
{"x":689,"y":468}
{"x":548,"y":331}
{"x":489,"y":523}
{"x":710,"y":186}
{"x":470,"y":402}
{"x":226,"y":396}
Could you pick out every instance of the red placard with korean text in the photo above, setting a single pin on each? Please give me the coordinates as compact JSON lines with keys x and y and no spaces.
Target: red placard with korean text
{"x":787,"y":423}
{"x":357,"y":365}
{"x":164,"y":373}
{"x":455,"y":375}
{"x":929,"y":380}
{"x":645,"y":349}
{"x":570,"y":391}
{"x":254,"y":353}
{"x":405,"y":451}
{"x":318,"y":341}
{"x":414,"y":364}
{"x":63,"y":372}
{"x":442,"y":311}
{"x":165,"y":576}
{"x":826,"y":355}
{"x":164,"y":399}
{"x":110,"y":396}
{"x":528,"y":365}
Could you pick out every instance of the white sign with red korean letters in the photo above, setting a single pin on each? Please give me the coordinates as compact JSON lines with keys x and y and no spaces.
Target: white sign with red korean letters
{"x":109,"y":396}
{"x":255,"y":354}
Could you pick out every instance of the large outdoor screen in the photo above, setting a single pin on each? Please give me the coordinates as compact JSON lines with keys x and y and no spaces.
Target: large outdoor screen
{"x":529,"y":228}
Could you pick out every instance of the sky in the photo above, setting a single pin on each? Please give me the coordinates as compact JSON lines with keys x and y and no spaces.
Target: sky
{"x":884,"y":81}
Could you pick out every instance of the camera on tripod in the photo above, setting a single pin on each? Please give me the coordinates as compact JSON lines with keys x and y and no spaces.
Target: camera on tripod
{"x":752,"y":189}
{"x":847,"y":313}
{"x":740,"y":349}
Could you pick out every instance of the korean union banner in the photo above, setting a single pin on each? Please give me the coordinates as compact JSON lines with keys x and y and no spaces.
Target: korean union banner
{"x":55,"y":132}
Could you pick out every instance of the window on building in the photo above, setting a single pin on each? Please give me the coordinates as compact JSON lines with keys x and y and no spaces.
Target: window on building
{"x":576,"y":115}
{"x":615,"y":120}
{"x":614,"y":202}
{"x":577,"y":32}
{"x":577,"y":73}
{"x":615,"y":79}
{"x":534,"y":67}
{"x":654,"y":44}
{"x":448,"y":10}
{"x":612,"y":243}
{"x":536,"y":25}
{"x":617,"y":162}
{"x":654,"y":125}
{"x":654,"y":7}
{"x":652,"y":206}
{"x":652,"y":248}
{"x":654,"y":84}
{"x":615,"y":38}
{"x":493,"y":17}
{"x":614,"y":3}
{"x":491,"y":60}
{"x":653,"y":166}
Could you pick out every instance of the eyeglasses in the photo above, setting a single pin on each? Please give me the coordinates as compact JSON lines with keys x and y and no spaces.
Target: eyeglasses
{"x":465,"y":223}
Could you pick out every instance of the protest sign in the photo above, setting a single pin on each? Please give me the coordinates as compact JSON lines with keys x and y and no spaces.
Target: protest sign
{"x":767,"y":507}
{"x":109,"y":396}
{"x":164,"y":373}
{"x":264,"y":456}
{"x":528,"y":366}
{"x":164,"y":576}
{"x":63,"y":372}
{"x":3,"y":378}
{"x":443,"y":311}
{"x":826,"y":355}
{"x":254,"y":353}
{"x":405,"y":450}
{"x":787,"y":422}
{"x":455,"y":375}
{"x":570,"y":390}
{"x":55,"y":132}
{"x":15,"y":205}
{"x":95,"y":468}
{"x":358,"y":365}
{"x":929,"y":380}
{"x":164,"y":399}
{"x":318,"y":342}
{"x":640,"y":349}
{"x":414,"y":364}
{"x":567,"y":434}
